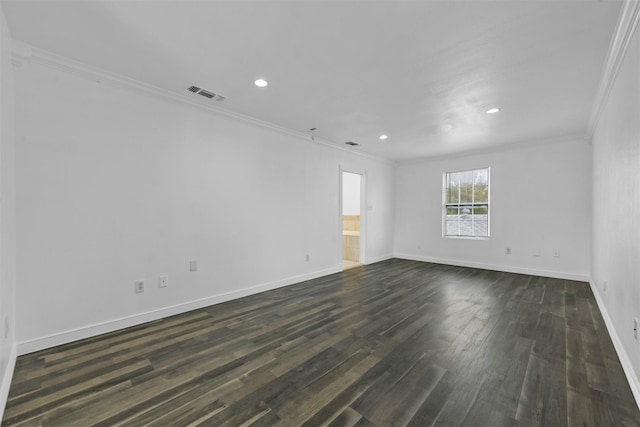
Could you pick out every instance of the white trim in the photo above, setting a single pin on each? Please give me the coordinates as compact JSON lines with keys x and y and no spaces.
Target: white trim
{"x":381,"y":258}
{"x":445,"y":205}
{"x":21,"y":53}
{"x":340,"y":217}
{"x":632,"y":378}
{"x":496,"y":267}
{"x":627,"y":367}
{"x":626,"y":26}
{"x":6,"y":380}
{"x":24,"y":53}
{"x":364,"y":217}
{"x":65,"y":337}
{"x":364,"y":207}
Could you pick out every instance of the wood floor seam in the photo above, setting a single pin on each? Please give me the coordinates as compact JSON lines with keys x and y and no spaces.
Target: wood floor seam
{"x":395,"y":343}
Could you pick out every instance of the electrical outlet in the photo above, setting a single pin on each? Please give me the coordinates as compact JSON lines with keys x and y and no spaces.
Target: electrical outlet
{"x":193,"y":265}
{"x":308,"y":257}
{"x":635,"y":328}
{"x":507,"y":251}
{"x":138,"y":286}
{"x":556,"y":254}
{"x":163,"y":281}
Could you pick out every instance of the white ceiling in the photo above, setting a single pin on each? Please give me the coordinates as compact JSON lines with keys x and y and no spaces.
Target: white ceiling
{"x":354,"y":69}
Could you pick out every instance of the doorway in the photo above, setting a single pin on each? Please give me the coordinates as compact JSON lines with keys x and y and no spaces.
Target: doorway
{"x":352,"y":220}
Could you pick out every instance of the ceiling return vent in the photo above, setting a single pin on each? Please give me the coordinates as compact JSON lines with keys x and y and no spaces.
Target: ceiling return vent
{"x":206,"y":93}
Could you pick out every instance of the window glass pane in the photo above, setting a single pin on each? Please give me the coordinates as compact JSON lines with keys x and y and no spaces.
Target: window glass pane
{"x":453,"y":193}
{"x":466,"y":187}
{"x":481,"y":194}
{"x":481,"y":220}
{"x":481,"y":228}
{"x":467,"y":203}
{"x":452,"y":228}
{"x":466,"y":227}
{"x":465,"y":210}
{"x":480,"y":210}
{"x":480,"y":177}
{"x":452,"y":210}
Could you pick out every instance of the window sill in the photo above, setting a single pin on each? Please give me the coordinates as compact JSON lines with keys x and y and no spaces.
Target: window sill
{"x":467,"y":237}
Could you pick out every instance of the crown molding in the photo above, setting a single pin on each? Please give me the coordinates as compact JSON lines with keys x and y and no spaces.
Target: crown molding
{"x":24,"y":53}
{"x":21,"y":53}
{"x":622,"y":35}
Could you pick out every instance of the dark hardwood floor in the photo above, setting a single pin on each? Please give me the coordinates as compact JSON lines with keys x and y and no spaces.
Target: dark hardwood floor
{"x":390,"y":344}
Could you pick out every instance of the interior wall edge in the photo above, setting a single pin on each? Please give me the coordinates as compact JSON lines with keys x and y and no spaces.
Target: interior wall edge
{"x":581,"y":277}
{"x":88,"y":331}
{"x":8,"y":347}
{"x":6,"y":380}
{"x":380,"y":258}
{"x":629,"y":372}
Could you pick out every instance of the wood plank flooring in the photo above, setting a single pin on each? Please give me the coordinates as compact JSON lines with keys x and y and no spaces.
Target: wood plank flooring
{"x":397,"y":343}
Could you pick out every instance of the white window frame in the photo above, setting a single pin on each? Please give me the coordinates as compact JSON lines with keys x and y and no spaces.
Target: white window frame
{"x":445,"y":205}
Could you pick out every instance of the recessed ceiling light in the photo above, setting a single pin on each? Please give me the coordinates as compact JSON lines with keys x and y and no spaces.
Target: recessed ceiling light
{"x":261,"y":83}
{"x":492,"y":110}
{"x":383,"y":136}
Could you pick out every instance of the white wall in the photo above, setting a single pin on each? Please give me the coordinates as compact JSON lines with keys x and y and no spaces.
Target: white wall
{"x":115,"y":186}
{"x":615,"y":257}
{"x":350,"y":193}
{"x":540,"y":199}
{"x":7,"y":215}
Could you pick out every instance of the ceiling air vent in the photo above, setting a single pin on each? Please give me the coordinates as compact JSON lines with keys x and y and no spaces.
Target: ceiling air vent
{"x":351,"y":143}
{"x":206,"y":93}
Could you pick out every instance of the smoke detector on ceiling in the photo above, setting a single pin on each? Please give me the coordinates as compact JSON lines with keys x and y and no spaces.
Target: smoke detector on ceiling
{"x":206,"y":93}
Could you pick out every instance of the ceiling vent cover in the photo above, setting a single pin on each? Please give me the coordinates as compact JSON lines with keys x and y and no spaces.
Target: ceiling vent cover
{"x":351,"y":143}
{"x":206,"y":93}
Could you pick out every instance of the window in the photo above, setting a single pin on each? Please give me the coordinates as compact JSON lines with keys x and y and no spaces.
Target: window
{"x":466,"y":203}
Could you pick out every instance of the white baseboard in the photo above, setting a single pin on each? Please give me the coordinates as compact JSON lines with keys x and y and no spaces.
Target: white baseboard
{"x":505,"y":268}
{"x":632,"y":378}
{"x":65,"y":337}
{"x":379,"y":259}
{"x":6,"y":379}
{"x":97,"y":329}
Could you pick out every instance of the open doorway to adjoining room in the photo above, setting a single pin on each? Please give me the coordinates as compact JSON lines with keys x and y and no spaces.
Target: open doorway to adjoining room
{"x":352,"y":230}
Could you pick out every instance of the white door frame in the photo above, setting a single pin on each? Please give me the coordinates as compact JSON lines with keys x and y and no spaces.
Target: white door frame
{"x":363,"y":213}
